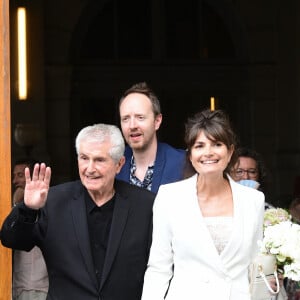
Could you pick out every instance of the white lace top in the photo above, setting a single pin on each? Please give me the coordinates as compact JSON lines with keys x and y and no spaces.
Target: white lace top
{"x":220,"y":229}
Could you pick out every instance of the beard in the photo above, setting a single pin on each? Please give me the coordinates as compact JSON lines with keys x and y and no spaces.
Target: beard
{"x":143,"y":144}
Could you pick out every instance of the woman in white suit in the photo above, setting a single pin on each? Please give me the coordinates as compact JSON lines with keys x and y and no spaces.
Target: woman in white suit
{"x":206,"y":227}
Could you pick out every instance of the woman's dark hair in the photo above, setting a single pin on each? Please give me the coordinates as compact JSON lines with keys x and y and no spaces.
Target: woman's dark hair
{"x":294,"y":209}
{"x":216,"y":127}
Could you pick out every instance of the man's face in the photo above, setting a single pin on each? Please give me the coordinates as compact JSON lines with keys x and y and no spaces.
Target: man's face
{"x":138,"y":123}
{"x":19,"y":176}
{"x":97,"y":170}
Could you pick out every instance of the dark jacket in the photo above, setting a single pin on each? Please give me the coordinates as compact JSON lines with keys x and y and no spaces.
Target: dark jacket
{"x":62,"y":234}
{"x":168,"y":166}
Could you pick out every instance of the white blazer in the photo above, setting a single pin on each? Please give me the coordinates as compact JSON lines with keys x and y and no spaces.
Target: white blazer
{"x":183,"y":251}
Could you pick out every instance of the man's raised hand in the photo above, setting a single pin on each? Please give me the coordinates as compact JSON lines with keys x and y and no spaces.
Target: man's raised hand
{"x":37,"y":187}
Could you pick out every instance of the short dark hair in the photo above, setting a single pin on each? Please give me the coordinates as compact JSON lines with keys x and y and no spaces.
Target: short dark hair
{"x":216,"y":126}
{"x":294,"y":209}
{"x":28,"y":161}
{"x":143,"y":88}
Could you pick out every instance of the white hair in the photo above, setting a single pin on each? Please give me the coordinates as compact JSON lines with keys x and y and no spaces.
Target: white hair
{"x":99,"y":133}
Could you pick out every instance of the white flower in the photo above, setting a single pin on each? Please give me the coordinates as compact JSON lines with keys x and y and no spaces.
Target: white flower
{"x":292,"y":271}
{"x":274,"y":216}
{"x":282,"y":239}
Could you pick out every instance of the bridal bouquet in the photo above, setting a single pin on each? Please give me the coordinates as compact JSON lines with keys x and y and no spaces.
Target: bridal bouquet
{"x":274,"y":216}
{"x":282,"y":239}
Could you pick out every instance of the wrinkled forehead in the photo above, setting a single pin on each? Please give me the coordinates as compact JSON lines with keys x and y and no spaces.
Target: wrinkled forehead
{"x":96,"y":145}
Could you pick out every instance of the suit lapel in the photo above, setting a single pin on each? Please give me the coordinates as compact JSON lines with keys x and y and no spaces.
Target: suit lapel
{"x":125,"y":171}
{"x":117,"y":227}
{"x":233,"y":247}
{"x":78,"y":209}
{"x":204,"y":235}
{"x":159,"y":167}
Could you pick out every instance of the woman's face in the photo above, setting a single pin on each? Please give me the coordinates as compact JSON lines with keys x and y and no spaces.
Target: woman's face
{"x":209,"y":156}
{"x":245,"y":168}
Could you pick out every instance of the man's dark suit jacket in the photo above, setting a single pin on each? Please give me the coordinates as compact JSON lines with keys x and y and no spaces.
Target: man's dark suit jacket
{"x":168,"y":166}
{"x":61,"y":232}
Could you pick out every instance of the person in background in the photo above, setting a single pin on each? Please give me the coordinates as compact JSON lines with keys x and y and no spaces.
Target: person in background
{"x":18,"y":177}
{"x":149,"y":163}
{"x":30,"y":277}
{"x":199,"y":249}
{"x":250,"y":170}
{"x":95,"y":233}
{"x":294,"y":209}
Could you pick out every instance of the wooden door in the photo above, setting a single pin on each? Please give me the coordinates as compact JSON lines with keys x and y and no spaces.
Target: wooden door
{"x":5,"y":146}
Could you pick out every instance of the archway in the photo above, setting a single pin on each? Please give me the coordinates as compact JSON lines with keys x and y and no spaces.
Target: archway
{"x":201,"y":52}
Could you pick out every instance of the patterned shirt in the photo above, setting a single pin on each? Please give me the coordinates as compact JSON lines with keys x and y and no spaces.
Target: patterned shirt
{"x":147,"y":182}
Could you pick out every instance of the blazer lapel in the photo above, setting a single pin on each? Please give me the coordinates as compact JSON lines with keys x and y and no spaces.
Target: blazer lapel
{"x":81,"y":230}
{"x":221,"y":261}
{"x":233,"y":247}
{"x":204,"y":235}
{"x":117,"y":227}
{"x":159,"y":166}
